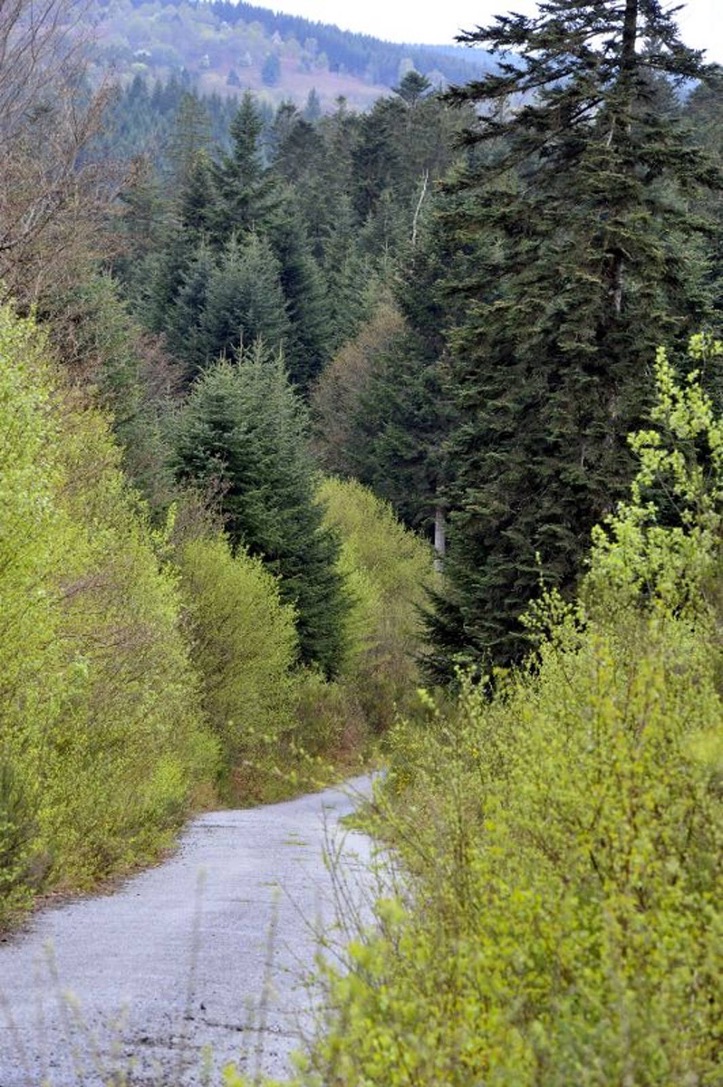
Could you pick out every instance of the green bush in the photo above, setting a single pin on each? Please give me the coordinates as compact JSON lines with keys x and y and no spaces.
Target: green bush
{"x":33,"y":532}
{"x":244,"y":646}
{"x":386,"y":568}
{"x":332,"y":723}
{"x":129,"y":744}
{"x":100,"y":722}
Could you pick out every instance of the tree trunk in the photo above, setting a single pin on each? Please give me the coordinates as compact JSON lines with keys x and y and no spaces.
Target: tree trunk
{"x":440,"y":539}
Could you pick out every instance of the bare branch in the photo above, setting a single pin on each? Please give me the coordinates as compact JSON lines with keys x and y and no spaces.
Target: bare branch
{"x":53,"y":197}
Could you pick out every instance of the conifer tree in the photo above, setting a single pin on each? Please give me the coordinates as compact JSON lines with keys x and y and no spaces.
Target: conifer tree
{"x":190,"y":139}
{"x":308,"y":343}
{"x":245,"y":299}
{"x":195,"y":207}
{"x":183,"y":321}
{"x":244,"y":430}
{"x":265,"y":281}
{"x":401,"y":415}
{"x":244,"y":188}
{"x":349,"y":275}
{"x":587,"y":258}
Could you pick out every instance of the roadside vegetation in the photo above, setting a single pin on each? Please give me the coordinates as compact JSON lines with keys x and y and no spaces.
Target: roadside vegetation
{"x":149,"y":670}
{"x":560,"y":827}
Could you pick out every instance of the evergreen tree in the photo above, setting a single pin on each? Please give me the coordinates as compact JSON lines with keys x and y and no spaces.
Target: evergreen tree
{"x":195,"y":205}
{"x":404,"y":416}
{"x":380,"y":409}
{"x":191,"y":138}
{"x":143,"y":221}
{"x":244,"y":189}
{"x":188,"y":339}
{"x":577,"y":210}
{"x":703,"y":112}
{"x":309,"y":334}
{"x":342,"y":432}
{"x":378,"y":156}
{"x":271,"y":70}
{"x":312,"y":109}
{"x":334,"y":182}
{"x":245,"y":298}
{"x":225,"y":300}
{"x":297,"y":146}
{"x":413,"y":87}
{"x":244,"y":430}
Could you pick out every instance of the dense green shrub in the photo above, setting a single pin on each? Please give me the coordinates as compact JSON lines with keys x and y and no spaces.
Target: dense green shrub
{"x":101,"y":736}
{"x":244,"y":647}
{"x":386,"y":568}
{"x":32,"y":531}
{"x":131,"y":724}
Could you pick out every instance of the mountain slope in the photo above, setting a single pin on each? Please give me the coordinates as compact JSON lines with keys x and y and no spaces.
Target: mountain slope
{"x":226,"y":48}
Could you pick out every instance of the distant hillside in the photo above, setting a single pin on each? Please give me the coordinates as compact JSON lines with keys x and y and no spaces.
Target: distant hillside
{"x":226,"y":48}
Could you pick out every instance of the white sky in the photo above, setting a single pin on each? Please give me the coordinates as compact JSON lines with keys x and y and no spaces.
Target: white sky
{"x":429,"y":21}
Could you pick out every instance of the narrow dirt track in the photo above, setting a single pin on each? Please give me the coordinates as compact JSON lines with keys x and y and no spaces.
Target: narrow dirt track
{"x":180,"y":958}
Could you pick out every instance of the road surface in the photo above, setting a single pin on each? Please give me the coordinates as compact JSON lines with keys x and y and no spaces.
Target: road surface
{"x":200,"y":961}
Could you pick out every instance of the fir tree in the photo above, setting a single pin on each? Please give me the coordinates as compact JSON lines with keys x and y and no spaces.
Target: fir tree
{"x":402,"y":413}
{"x":304,"y":291}
{"x":187,"y":337}
{"x":244,"y":429}
{"x":245,"y":299}
{"x":244,"y":188}
{"x":586,"y":259}
{"x":191,"y":138}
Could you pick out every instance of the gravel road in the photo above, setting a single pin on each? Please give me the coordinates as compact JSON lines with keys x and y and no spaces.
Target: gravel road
{"x":176,"y":962}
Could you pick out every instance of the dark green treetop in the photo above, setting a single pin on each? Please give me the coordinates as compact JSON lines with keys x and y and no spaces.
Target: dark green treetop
{"x":244,"y":191}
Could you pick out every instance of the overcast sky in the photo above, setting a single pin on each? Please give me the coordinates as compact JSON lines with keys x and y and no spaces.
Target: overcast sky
{"x":437,"y":23}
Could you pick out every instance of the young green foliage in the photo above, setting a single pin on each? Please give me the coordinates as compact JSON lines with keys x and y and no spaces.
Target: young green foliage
{"x":101,"y":738}
{"x":243,"y":646}
{"x":386,"y":568}
{"x":664,"y":542}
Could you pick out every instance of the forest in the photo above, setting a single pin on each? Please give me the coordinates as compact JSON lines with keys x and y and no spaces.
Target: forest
{"x":329,"y":436}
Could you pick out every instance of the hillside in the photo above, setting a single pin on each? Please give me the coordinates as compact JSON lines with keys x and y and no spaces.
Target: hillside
{"x":227,"y":48}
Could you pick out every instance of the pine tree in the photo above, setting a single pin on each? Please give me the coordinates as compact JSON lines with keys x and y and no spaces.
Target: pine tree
{"x":586,"y":259}
{"x":244,"y":429}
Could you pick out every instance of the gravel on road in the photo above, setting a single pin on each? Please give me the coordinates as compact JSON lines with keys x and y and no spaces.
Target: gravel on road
{"x":203,"y":960}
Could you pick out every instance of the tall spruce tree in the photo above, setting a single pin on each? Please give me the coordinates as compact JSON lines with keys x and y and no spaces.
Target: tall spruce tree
{"x":308,"y":344}
{"x":244,"y":429}
{"x":245,"y":190}
{"x":586,"y":258}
